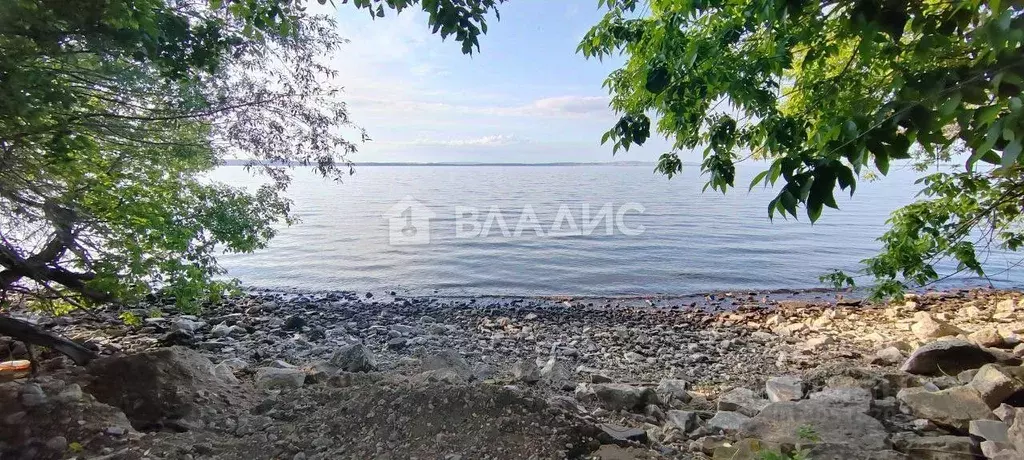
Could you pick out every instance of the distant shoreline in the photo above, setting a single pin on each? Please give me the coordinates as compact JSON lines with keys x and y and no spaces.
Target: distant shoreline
{"x":456,"y":163}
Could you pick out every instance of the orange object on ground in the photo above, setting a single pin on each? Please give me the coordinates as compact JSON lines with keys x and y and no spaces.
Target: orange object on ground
{"x":20,"y":365}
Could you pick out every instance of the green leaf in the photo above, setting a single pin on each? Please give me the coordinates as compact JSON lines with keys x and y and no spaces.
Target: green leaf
{"x":788,"y":202}
{"x":882,"y":163}
{"x":657,"y":79}
{"x":949,"y":107}
{"x":1011,"y":153}
{"x":814,"y":208}
{"x":758,"y":178}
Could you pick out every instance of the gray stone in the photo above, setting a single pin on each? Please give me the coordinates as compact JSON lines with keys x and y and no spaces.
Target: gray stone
{"x":987,"y":337}
{"x":451,"y":360}
{"x":939,"y":448}
{"x":923,"y":424}
{"x":743,"y":449}
{"x":269,"y":378}
{"x":406,"y":330}
{"x":599,"y":378}
{"x":1016,"y":431}
{"x":70,"y":393}
{"x":686,"y":421}
{"x":565,"y":403}
{"x":887,"y":356}
{"x":965,"y":377}
{"x":526,"y":371}
{"x":998,"y":384}
{"x":784,"y":388}
{"x":354,"y":358}
{"x":617,"y":396}
{"x":115,"y":430}
{"x":57,"y":444}
{"x":673,"y":391}
{"x":220,"y":330}
{"x":949,"y":357}
{"x":225,"y":373}
{"x":1005,"y":412}
{"x":726,"y":422}
{"x":187,"y":325}
{"x":742,"y":400}
{"x":855,"y":398}
{"x":294,"y":322}
{"x":32,"y":395}
{"x":633,"y":357}
{"x":236,"y":364}
{"x":929,"y":328}
{"x":483,"y":371}
{"x":556,"y":375}
{"x":620,"y":435}
{"x":999,"y":450}
{"x":397,"y":343}
{"x":842,"y":432}
{"x":989,"y":430}
{"x":1005,"y":357}
{"x":953,"y":408}
{"x":282,"y":364}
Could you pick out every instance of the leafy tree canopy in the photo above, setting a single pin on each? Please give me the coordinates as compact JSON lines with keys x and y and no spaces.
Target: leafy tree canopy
{"x":827,"y":92}
{"x":112,"y":111}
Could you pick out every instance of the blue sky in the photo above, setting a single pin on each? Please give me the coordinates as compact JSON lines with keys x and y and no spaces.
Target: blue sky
{"x":525,"y":97}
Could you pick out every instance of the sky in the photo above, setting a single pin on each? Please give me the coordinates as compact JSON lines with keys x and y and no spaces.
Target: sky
{"x":525,"y":97}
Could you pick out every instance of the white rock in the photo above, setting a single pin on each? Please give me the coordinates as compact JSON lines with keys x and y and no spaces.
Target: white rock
{"x":784,"y":388}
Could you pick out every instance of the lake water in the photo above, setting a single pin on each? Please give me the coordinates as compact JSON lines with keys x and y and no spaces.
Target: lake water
{"x":671,"y":239}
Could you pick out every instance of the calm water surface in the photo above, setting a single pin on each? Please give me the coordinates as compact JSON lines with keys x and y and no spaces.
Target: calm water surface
{"x":691,"y":242}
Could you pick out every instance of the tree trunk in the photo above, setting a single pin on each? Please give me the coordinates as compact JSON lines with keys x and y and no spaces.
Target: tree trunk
{"x":31,"y":334}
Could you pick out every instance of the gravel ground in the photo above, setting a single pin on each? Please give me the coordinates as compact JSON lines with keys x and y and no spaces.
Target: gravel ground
{"x":511,"y":392}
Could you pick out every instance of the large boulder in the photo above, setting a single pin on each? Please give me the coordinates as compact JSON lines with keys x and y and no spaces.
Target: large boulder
{"x":952,"y":408}
{"x":742,"y":400}
{"x":556,"y":375}
{"x":939,"y":448}
{"x":887,"y":356}
{"x":784,"y":388}
{"x":447,"y":365}
{"x":855,"y":398}
{"x":685,"y":421}
{"x":928,"y":328}
{"x":354,"y":358}
{"x":842,"y":433}
{"x":1016,"y":431}
{"x":274,"y":378}
{"x":987,"y":337}
{"x":726,"y":422}
{"x":998,"y":384}
{"x":526,"y":371}
{"x":949,"y":357}
{"x":617,"y":396}
{"x":169,"y":386}
{"x":621,"y":435}
{"x":673,"y":392}
{"x":989,"y":430}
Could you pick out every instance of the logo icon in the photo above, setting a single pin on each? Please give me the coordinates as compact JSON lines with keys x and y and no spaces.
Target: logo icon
{"x":409,"y":222}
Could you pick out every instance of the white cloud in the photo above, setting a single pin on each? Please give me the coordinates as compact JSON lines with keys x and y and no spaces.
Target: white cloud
{"x":571,"y":106}
{"x":485,"y":141}
{"x":555,"y":107}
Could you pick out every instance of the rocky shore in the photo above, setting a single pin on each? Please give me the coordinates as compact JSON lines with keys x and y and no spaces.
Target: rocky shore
{"x":374,"y":375}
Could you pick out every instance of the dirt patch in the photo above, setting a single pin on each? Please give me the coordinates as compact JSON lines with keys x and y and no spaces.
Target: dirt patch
{"x":47,"y":418}
{"x":394,"y":419}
